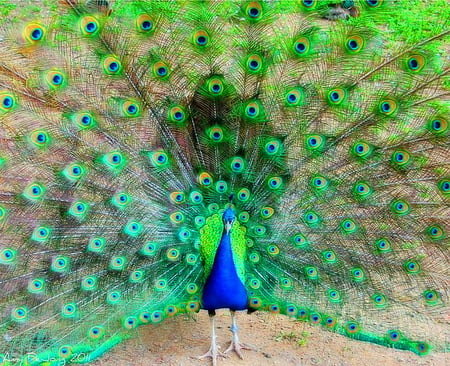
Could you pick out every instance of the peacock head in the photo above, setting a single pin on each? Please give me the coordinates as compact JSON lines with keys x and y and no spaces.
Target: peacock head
{"x":228,"y":218}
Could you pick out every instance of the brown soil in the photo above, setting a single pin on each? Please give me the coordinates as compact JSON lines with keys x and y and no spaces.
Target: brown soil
{"x":277,"y":340}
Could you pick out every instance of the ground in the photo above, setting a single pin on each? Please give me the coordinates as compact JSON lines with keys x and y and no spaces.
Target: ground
{"x":278,"y":341}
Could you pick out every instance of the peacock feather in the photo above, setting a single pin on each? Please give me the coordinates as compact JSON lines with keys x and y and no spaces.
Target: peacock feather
{"x":163,"y":157}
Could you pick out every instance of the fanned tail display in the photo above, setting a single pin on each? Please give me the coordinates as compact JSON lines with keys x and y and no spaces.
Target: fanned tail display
{"x":163,"y":157}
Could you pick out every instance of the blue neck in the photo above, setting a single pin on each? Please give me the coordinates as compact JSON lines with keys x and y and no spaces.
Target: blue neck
{"x":223,"y":287}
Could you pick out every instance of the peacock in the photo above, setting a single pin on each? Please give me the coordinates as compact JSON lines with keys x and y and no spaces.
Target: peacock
{"x":160,"y":158}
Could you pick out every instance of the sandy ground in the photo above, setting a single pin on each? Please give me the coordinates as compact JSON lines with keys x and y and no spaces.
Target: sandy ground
{"x":277,"y":340}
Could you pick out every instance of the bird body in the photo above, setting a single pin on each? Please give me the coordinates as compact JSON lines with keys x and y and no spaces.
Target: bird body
{"x":163,"y":157}
{"x":223,"y":288}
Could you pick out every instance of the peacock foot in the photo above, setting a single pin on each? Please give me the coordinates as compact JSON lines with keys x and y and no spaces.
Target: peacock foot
{"x":238,"y":347}
{"x":214,"y":353}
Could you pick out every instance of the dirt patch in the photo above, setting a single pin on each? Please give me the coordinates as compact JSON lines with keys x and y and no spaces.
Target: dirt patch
{"x":278,"y":340}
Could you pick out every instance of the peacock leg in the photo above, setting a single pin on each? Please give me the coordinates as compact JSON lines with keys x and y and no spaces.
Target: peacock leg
{"x":235,"y":345}
{"x":214,"y":349}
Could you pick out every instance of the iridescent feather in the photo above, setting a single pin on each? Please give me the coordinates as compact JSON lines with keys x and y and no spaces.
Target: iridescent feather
{"x":156,"y":154}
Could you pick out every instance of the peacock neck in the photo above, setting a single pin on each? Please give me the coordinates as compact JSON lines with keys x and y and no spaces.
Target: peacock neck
{"x":223,"y":261}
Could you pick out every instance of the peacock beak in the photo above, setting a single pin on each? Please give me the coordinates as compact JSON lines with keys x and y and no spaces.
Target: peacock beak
{"x":228,"y":225}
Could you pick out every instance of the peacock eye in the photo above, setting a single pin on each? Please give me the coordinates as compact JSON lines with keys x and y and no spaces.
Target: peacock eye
{"x":374,"y":3}
{"x":300,"y":47}
{"x":91,"y":27}
{"x":254,"y":12}
{"x":7,"y":102}
{"x":309,"y":3}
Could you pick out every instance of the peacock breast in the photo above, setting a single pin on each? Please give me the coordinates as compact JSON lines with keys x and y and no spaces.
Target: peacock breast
{"x":223,"y":254}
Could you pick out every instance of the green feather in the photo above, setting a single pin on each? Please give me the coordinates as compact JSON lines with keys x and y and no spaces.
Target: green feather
{"x":126,"y":128}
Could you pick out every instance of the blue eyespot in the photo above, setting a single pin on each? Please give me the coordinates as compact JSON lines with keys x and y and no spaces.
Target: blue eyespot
{"x":36,"y":34}
{"x":253,"y":12}
{"x":386,"y":107}
{"x":146,"y":25}
{"x":57,"y":79}
{"x":91,"y":27}
{"x":300,"y":47}
{"x":352,"y":44}
{"x":201,"y":40}
{"x":251,"y":111}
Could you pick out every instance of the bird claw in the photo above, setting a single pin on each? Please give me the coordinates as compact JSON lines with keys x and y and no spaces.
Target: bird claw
{"x":237,"y":347}
{"x":213,"y":353}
